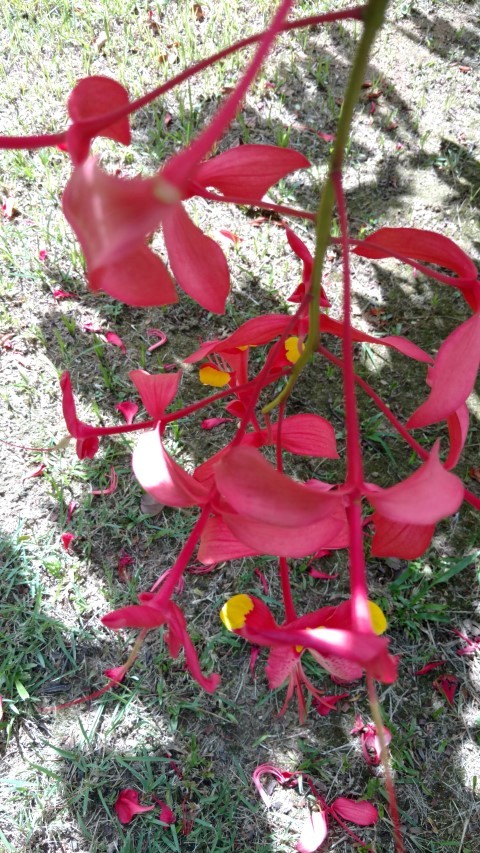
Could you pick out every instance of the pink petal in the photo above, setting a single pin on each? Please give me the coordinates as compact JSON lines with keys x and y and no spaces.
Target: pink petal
{"x":457,"y":424}
{"x":327,"y":137}
{"x":211,"y":423}
{"x":127,"y":805}
{"x":284,"y":541}
{"x":163,"y":478}
{"x":197,"y":262}
{"x":254,"y":488}
{"x":128,"y":409}
{"x":139,"y":279}
{"x":322,"y":576}
{"x":282,"y":776}
{"x":114,"y":339}
{"x":453,"y":375}
{"x":249,"y":170}
{"x":87,"y":447}
{"x":111,"y":216}
{"x":67,"y":539}
{"x":433,"y":664}
{"x":117,"y":673}
{"x":281,"y":663}
{"x":396,"y":539}
{"x":419,"y":245}
{"x":95,"y":96}
{"x":308,"y":435}
{"x":257,"y":331}
{"x":218,"y":543}
{"x":397,"y":342}
{"x":72,"y":506}
{"x":314,"y":833}
{"x":428,"y":495}
{"x":160,"y":335}
{"x":111,"y":488}
{"x":360,"y":812}
{"x":156,"y":390}
{"x":124,"y":560}
{"x":135,"y":616}
{"x":58,"y":293}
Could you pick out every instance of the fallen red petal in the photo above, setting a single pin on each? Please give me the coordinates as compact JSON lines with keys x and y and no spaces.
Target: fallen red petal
{"x":58,"y":293}
{"x":110,"y":488}
{"x":211,"y":423}
{"x":36,"y":472}
{"x":67,"y":539}
{"x":434,"y":664}
{"x":114,"y":339}
{"x":447,"y":685}
{"x":128,"y":409}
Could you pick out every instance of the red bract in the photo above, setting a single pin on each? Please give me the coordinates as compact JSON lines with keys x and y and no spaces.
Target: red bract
{"x":127,"y":805}
{"x":93,"y":97}
{"x":156,"y":390}
{"x":153,"y":612}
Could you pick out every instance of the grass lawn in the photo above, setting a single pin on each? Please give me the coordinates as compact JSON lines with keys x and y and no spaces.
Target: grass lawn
{"x":412,"y":161}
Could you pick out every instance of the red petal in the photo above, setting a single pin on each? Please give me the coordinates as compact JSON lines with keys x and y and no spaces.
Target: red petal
{"x":326,"y":704}
{"x":428,"y":495}
{"x":262,"y":538}
{"x":140,"y":279}
{"x":257,"y":490}
{"x":308,"y":435}
{"x":434,"y":664}
{"x":96,"y":95}
{"x":128,"y":409}
{"x":457,"y":424}
{"x":156,"y":390}
{"x":249,"y":170}
{"x":111,"y":216}
{"x":161,"y":477}
{"x":282,"y":776}
{"x":197,"y":262}
{"x":162,"y":339}
{"x":127,"y":805}
{"x":356,"y":811}
{"x":453,"y":375}
{"x":211,"y":423}
{"x":116,"y":341}
{"x":58,"y":293}
{"x":166,"y":814}
{"x":218,"y":543}
{"x":36,"y":472}
{"x":397,"y":342}
{"x":419,"y":245}
{"x":395,"y":539}
{"x":135,"y":616}
{"x":281,"y":663}
{"x":314,"y":833}
{"x":447,"y":685}
{"x":67,"y":539}
{"x":257,"y":331}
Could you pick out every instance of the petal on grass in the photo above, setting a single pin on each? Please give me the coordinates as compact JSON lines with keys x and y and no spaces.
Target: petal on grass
{"x":314,"y":833}
{"x":127,"y":805}
{"x":128,"y":409}
{"x":360,"y":812}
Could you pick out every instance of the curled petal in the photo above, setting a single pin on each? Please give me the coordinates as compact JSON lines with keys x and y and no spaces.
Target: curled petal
{"x":91,"y":97}
{"x":360,"y":812}
{"x":127,"y":805}
{"x":163,"y":478}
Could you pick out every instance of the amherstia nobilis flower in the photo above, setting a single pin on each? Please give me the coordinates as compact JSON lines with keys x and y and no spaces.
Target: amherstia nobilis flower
{"x":327,"y":634}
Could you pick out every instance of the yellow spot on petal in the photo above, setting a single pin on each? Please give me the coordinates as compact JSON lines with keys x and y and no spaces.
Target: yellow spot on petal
{"x":293,"y":349}
{"x":234,"y":611}
{"x":379,"y":622}
{"x":299,"y":649}
{"x":242,"y":349}
{"x":210,"y":375}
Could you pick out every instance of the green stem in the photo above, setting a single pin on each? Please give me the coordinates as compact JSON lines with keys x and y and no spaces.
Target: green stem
{"x":372,"y":20}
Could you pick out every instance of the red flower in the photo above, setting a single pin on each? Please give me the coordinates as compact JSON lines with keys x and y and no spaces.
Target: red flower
{"x":326,"y":633}
{"x":127,"y":805}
